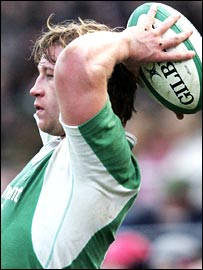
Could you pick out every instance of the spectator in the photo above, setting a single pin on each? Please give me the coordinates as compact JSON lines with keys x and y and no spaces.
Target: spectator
{"x":130,"y":250}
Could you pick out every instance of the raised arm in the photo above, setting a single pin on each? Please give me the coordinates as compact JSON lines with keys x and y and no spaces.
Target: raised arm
{"x":84,"y":66}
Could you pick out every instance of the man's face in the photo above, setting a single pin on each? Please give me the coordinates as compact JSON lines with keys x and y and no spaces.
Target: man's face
{"x":46,"y":104}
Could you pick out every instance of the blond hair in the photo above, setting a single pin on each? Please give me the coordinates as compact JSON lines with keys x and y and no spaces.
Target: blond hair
{"x":63,"y":33}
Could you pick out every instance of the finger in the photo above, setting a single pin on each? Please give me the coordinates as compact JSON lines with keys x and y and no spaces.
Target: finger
{"x":176,"y":56}
{"x":176,"y":40}
{"x":152,"y":11}
{"x":150,"y":16}
{"x":170,"y":21}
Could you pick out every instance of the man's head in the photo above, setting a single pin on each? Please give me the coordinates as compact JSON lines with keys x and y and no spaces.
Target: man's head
{"x":121,"y":85}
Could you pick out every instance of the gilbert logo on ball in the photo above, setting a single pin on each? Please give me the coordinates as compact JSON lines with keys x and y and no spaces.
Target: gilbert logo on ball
{"x":176,"y":85}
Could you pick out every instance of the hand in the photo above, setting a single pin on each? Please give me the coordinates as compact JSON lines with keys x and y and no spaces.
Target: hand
{"x":147,"y":44}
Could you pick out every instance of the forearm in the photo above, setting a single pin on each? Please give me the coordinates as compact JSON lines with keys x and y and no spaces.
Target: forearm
{"x":96,"y":53}
{"x":84,"y":66}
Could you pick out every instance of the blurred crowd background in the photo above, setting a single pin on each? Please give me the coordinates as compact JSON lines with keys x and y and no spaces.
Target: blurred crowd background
{"x":163,"y":230}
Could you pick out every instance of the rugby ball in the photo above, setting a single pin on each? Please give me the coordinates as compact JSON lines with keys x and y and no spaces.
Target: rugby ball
{"x":176,"y":85}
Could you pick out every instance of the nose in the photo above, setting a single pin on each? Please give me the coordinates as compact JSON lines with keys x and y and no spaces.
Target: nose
{"x":37,"y":89}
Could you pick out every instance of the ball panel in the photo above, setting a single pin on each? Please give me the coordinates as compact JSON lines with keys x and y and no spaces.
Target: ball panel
{"x":181,"y":81}
{"x":175,"y":95}
{"x":176,"y":85}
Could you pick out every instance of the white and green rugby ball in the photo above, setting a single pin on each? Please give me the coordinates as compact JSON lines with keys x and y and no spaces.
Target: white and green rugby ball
{"x":176,"y":85}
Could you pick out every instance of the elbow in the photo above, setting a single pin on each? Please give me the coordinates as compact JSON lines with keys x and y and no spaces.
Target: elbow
{"x":77,"y":62}
{"x":69,"y":61}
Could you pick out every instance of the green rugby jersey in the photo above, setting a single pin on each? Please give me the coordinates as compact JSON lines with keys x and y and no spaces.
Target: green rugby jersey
{"x":63,"y":209}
